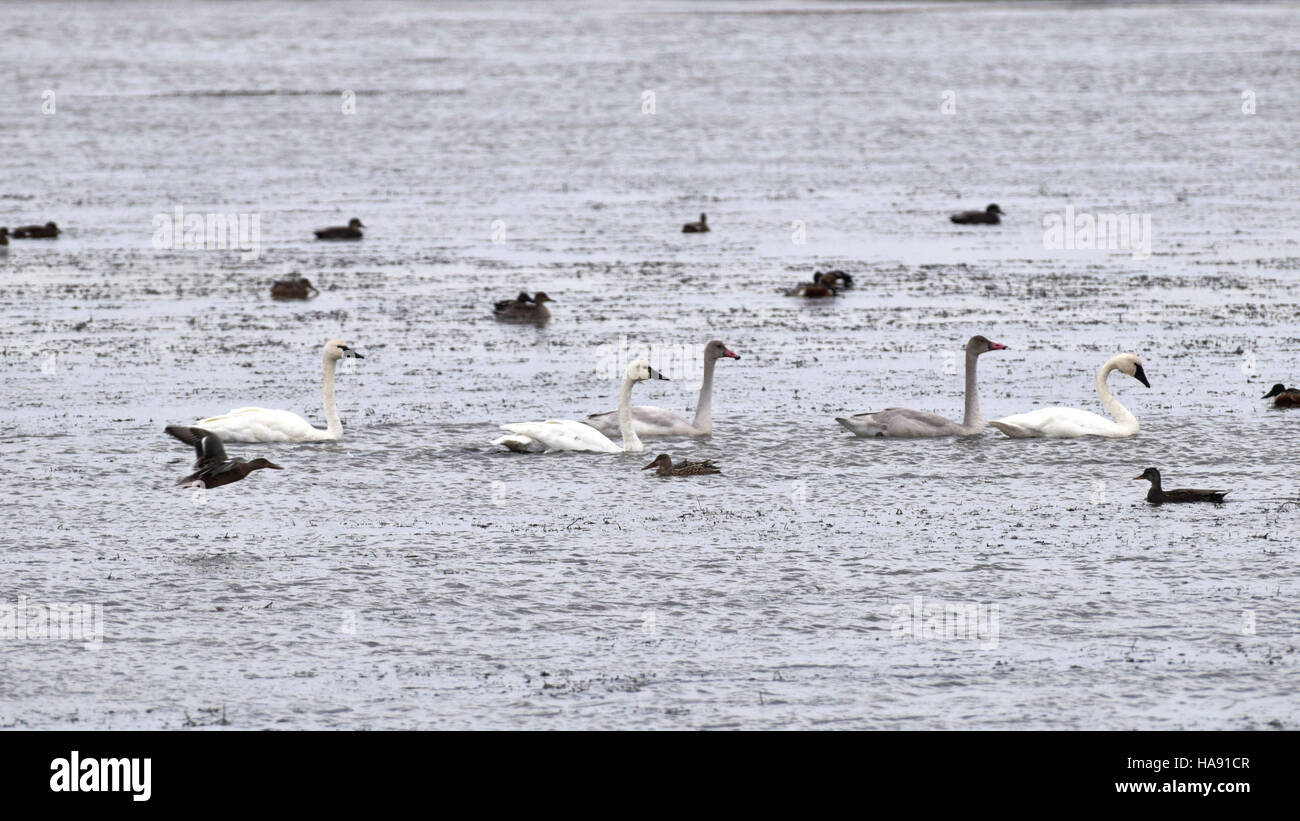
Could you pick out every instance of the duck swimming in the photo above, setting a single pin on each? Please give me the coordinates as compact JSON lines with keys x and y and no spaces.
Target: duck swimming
{"x":213,"y":468}
{"x":298,"y":287}
{"x":523,"y":308}
{"x":700,"y":227}
{"x":666,"y":467}
{"x":1282,"y":397}
{"x":47,"y":231}
{"x":350,"y":231}
{"x":835,"y":279}
{"x":989,"y":216}
{"x":818,"y":289}
{"x":4,"y":236}
{"x":1157,"y":496}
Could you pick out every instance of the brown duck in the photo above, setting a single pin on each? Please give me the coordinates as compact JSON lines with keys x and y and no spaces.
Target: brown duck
{"x":4,"y":236}
{"x":47,"y":231}
{"x":666,"y":467}
{"x":989,"y":216}
{"x":1158,"y":496}
{"x":213,"y":468}
{"x":1284,"y":397}
{"x":350,"y":231}
{"x":819,"y":288}
{"x":701,"y":227}
{"x":523,"y":308}
{"x":835,"y":279}
{"x":298,"y":287}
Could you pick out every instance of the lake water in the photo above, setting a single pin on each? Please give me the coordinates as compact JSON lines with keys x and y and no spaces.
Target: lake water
{"x":415,"y":576}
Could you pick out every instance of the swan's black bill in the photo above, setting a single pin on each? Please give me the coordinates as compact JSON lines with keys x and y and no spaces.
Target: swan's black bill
{"x":1141,"y":376}
{"x":654,"y":374}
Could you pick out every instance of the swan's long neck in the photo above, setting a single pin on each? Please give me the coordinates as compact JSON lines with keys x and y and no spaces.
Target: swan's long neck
{"x":973,"y":418}
{"x":704,"y":406}
{"x":631,"y":444}
{"x":1108,"y":400}
{"x":334,"y":428}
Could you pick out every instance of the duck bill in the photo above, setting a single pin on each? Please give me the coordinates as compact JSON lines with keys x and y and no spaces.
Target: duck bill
{"x":653,"y":464}
{"x":273,"y":466}
{"x":1138,"y":478}
{"x":1141,"y":376}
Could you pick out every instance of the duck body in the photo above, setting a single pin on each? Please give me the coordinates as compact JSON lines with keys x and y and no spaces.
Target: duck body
{"x":213,"y":468}
{"x":47,"y":231}
{"x":350,"y":231}
{"x":989,"y":216}
{"x":523,"y":308}
{"x":665,"y":466}
{"x":1158,"y":496}
{"x":4,"y":236}
{"x":814,"y":290}
{"x":295,"y":288}
{"x":1284,"y":397}
{"x":701,"y":227}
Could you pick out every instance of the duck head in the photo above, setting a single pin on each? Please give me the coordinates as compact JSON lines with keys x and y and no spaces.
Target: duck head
{"x":1150,"y":474}
{"x":662,"y":461}
{"x":541,"y":297}
{"x":355,"y":223}
{"x":993,"y":209}
{"x":1277,"y":389}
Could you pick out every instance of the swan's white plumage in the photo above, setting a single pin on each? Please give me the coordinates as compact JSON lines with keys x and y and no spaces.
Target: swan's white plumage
{"x":1071,"y":423}
{"x":253,"y":424}
{"x":566,"y":434}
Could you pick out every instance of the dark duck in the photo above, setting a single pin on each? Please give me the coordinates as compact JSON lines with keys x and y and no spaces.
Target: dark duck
{"x":214,"y":468}
{"x":1158,"y":496}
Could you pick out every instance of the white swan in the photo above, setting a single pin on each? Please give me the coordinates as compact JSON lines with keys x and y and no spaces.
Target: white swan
{"x":902,"y":422}
{"x":262,"y":425}
{"x":1069,"y":423}
{"x":652,"y":421}
{"x":564,"y":434}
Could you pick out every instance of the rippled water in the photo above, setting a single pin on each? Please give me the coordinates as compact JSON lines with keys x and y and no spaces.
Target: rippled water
{"x":414,"y":576}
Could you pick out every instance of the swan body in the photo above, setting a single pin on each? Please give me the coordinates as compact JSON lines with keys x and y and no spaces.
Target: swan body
{"x":652,"y":421}
{"x":907,"y":423}
{"x":253,"y":424}
{"x":565,"y":434}
{"x":1071,"y":423}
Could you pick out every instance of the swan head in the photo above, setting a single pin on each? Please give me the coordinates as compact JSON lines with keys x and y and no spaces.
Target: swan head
{"x":1277,"y":389}
{"x":980,"y":344}
{"x":717,"y":350}
{"x":993,"y":209}
{"x":336,"y":350}
{"x":663,"y":461}
{"x":1150,"y":474}
{"x":355,"y":223}
{"x":541,"y":297}
{"x":640,"y":370}
{"x":1131,"y":364}
{"x":259,"y":463}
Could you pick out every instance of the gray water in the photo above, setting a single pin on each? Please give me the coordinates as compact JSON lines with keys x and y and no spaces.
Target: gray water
{"x":415,"y":576}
